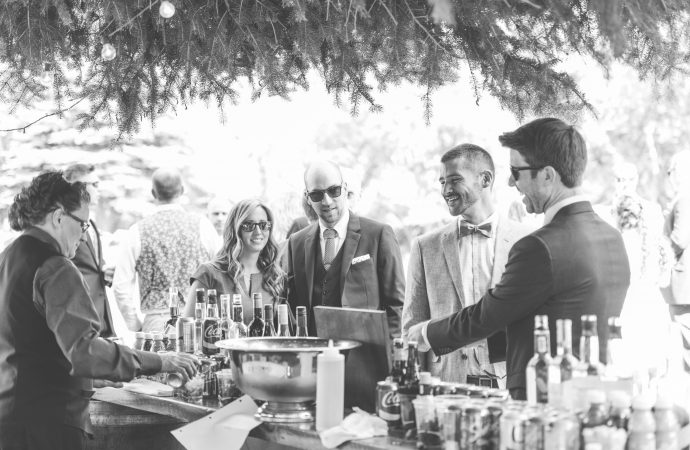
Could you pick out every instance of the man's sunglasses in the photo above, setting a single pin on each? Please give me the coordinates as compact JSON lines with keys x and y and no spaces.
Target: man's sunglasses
{"x":515,"y":171}
{"x":251,"y":226}
{"x":317,"y":194}
{"x":83,"y":224}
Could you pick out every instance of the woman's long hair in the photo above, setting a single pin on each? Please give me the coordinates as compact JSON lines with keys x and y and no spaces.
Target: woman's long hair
{"x":229,"y":254}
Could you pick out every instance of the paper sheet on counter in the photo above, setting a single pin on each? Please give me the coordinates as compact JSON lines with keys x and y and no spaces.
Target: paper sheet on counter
{"x":226,"y":428}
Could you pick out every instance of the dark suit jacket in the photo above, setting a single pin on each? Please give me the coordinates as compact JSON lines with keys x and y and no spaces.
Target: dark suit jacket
{"x":374,"y":283}
{"x":677,"y":228}
{"x":572,"y":266}
{"x":89,"y":261}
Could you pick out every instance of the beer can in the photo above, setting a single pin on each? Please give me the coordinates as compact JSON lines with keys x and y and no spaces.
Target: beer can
{"x":188,"y":337}
{"x":388,"y":402}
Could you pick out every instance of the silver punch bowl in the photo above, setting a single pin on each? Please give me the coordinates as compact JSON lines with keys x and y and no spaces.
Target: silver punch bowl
{"x":280,"y":371}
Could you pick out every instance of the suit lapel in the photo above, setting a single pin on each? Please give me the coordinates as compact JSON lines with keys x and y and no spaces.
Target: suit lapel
{"x":311,"y":241}
{"x":349,"y":248}
{"x":92,"y":250}
{"x":98,"y":247}
{"x":450,"y":244}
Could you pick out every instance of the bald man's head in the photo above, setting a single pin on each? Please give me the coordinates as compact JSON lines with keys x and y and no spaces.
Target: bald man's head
{"x":167,"y":185}
{"x":325,"y":191}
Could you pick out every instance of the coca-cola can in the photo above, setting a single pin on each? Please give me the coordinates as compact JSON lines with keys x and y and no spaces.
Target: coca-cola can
{"x":388,"y":402}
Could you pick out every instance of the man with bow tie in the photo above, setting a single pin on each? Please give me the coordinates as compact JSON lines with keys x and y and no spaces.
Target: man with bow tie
{"x":452,"y":267}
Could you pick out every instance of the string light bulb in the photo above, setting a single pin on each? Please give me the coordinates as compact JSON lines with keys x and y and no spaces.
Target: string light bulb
{"x":108,"y":52}
{"x":166,"y":10}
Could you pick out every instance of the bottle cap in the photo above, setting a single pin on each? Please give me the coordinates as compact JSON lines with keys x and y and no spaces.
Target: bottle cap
{"x":619,"y":399}
{"x":331,"y":351}
{"x":424,"y":377}
{"x":596,"y":396}
{"x":148,"y":336}
{"x":663,"y":401}
{"x":237,"y":298}
{"x":157,"y":336}
{"x":282,"y":313}
{"x":140,"y":335}
{"x":642,"y":402}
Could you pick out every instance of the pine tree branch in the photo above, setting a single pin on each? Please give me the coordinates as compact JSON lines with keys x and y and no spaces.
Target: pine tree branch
{"x":59,"y":112}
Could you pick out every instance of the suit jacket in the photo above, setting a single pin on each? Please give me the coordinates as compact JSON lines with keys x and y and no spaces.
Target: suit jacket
{"x":374,"y":283}
{"x":572,"y":266}
{"x":434,"y":288}
{"x":677,"y":228}
{"x":89,"y":261}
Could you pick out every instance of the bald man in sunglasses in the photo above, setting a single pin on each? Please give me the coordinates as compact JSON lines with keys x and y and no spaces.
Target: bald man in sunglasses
{"x":343,"y":260}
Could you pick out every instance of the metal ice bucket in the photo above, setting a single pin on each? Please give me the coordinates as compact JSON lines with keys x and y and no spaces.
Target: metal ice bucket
{"x":280,"y":371}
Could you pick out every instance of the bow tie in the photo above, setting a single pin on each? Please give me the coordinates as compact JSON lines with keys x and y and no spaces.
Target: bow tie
{"x":467,"y":229}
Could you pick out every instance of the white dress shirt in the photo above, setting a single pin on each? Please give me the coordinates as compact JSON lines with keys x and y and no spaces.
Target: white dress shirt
{"x":552,"y":210}
{"x":125,"y":278}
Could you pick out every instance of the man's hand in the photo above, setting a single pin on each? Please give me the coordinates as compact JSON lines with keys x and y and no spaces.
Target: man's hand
{"x":106,"y":383}
{"x":415,"y":334}
{"x":108,"y":274}
{"x":182,"y":363}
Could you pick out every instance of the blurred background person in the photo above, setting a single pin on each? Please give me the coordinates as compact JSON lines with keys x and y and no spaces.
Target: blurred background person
{"x":353,"y":180}
{"x":50,"y":349}
{"x":217,"y":211}
{"x":247,"y":261}
{"x":159,"y":252}
{"x":677,"y":228}
{"x":304,"y":221}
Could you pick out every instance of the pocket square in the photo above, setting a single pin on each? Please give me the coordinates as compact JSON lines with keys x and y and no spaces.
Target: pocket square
{"x":359,"y":259}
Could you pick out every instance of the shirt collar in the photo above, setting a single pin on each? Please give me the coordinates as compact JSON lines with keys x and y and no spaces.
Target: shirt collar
{"x":340,"y":226}
{"x":492,"y":219}
{"x":552,"y":210}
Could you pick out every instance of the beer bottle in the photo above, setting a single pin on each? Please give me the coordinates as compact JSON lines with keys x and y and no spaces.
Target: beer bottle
{"x":256,"y":326}
{"x":201,"y":300}
{"x":564,"y":362}
{"x":240,"y":329}
{"x":589,"y":348}
{"x":171,"y":325}
{"x":302,"y":330}
{"x":283,"y":326}
{"x":399,"y":361}
{"x":539,"y":368}
{"x":269,"y":328}
{"x":211,"y":330}
{"x":411,"y":377}
{"x":225,"y":318}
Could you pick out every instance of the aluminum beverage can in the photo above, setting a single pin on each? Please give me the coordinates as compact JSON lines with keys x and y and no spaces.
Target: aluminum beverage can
{"x":188,"y":336}
{"x":388,"y":402}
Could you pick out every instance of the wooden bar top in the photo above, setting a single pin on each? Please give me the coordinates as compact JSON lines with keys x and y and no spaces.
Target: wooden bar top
{"x":292,"y":435}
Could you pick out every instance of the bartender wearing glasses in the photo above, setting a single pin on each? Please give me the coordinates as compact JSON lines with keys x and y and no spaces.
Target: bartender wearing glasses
{"x":50,"y":349}
{"x":343,"y":260}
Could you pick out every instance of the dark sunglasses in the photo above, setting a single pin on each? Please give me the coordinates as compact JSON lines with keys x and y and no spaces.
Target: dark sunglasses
{"x":515,"y":171}
{"x":317,"y":194}
{"x":251,"y":226}
{"x":84,"y":225}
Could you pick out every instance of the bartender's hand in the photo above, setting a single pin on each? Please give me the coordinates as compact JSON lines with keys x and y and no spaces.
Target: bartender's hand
{"x":182,"y":363}
{"x":417,"y":332}
{"x":106,"y":383}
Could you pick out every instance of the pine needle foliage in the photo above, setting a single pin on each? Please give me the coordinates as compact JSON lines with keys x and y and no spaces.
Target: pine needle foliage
{"x":513,"y":49}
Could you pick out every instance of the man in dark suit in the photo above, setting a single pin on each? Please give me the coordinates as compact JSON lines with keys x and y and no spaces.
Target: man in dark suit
{"x":575,"y":264}
{"x":89,"y":256}
{"x":343,"y":260}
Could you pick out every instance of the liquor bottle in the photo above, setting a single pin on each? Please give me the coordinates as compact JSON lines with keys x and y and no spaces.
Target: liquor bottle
{"x":171,"y":325}
{"x":589,"y":348}
{"x":201,"y":299}
{"x":616,"y":362}
{"x":240,"y":330}
{"x":302,"y":330}
{"x":564,"y":363}
{"x":399,"y":361}
{"x":537,"y":372}
{"x":283,"y":325}
{"x":269,"y":328}
{"x":199,"y":314}
{"x":225,"y":318}
{"x":256,"y":326}
{"x":411,"y":378}
{"x":211,"y":333}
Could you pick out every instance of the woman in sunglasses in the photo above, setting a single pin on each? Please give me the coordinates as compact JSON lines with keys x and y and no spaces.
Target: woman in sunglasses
{"x":247,"y":261}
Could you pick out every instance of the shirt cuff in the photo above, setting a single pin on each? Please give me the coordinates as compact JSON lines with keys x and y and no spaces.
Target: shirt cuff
{"x":426,"y":340}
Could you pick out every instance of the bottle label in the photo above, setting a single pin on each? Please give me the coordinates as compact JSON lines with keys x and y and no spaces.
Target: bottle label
{"x":541,"y":344}
{"x":211,"y":335}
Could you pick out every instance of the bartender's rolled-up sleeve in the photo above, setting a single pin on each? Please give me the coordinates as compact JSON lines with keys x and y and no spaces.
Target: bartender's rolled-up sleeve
{"x":62,"y":297}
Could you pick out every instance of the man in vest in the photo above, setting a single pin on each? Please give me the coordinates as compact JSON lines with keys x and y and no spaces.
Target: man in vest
{"x":343,"y":260}
{"x":161,"y":251}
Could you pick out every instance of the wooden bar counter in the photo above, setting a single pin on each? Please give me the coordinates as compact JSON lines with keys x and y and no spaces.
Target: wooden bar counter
{"x":124,"y":419}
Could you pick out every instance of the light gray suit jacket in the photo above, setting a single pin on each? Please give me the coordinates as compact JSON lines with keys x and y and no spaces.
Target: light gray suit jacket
{"x":434,"y":285}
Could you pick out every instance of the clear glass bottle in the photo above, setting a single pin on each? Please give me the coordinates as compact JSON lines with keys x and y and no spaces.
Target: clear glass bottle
{"x":616,"y":359}
{"x":256,"y":326}
{"x":565,"y":363}
{"x":399,"y":361}
{"x":225,"y":318}
{"x":411,"y":378}
{"x":540,"y":366}
{"x":201,"y":299}
{"x":283,"y":325}
{"x":589,"y":348}
{"x":302,"y":330}
{"x":240,"y":328}
{"x":269,"y":328}
{"x":171,"y":324}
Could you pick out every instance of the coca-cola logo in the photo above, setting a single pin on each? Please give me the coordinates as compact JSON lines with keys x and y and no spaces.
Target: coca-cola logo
{"x":390,"y":399}
{"x":212,"y":332}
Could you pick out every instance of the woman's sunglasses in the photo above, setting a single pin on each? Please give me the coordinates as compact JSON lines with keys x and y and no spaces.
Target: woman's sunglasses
{"x":317,"y":194}
{"x":251,"y":226}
